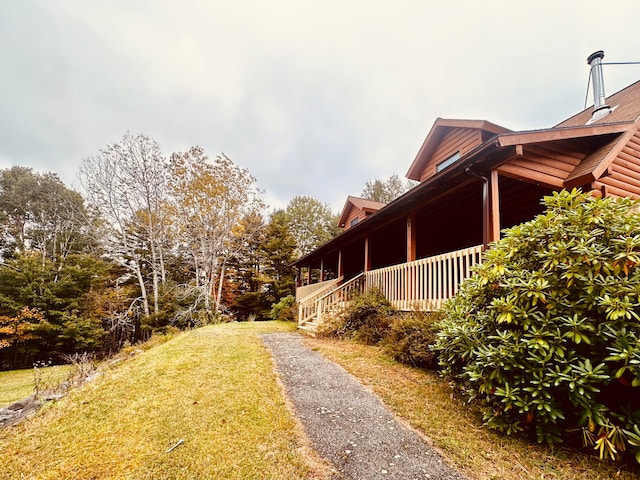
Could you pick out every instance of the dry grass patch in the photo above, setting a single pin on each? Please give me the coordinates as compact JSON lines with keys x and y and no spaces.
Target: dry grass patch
{"x":213,"y":390}
{"x":427,"y":403}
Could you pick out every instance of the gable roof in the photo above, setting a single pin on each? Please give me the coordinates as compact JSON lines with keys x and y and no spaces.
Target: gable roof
{"x":363,"y":204}
{"x":439,"y":129}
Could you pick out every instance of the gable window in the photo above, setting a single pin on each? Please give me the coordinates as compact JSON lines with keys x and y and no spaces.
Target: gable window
{"x":448,"y":162}
{"x":353,"y":222}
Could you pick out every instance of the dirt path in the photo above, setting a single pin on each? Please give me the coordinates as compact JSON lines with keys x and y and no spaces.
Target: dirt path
{"x":346,"y":423}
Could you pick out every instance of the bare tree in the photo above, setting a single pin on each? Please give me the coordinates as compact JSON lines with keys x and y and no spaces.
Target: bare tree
{"x":126,"y":184}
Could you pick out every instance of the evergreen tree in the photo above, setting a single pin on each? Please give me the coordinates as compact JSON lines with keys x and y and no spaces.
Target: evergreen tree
{"x":279,"y":248}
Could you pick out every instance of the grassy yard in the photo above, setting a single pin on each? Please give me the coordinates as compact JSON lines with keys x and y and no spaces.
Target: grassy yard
{"x":213,"y":395}
{"x":211,"y":391}
{"x":18,"y":384}
{"x":425,"y":401}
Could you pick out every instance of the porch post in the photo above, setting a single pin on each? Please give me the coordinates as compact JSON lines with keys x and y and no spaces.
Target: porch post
{"x":494,"y":196}
{"x":367,"y":257}
{"x":322,"y":270}
{"x":309,"y":275}
{"x":411,"y":237}
{"x":340,"y":265}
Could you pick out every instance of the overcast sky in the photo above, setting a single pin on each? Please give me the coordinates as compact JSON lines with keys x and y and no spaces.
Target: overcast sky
{"x":313,"y":97}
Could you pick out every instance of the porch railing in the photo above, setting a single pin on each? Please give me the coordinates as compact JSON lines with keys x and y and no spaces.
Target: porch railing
{"x":308,"y":290}
{"x":419,"y":285}
{"x":306,"y":298}
{"x":426,"y":283}
{"x":331,"y":301}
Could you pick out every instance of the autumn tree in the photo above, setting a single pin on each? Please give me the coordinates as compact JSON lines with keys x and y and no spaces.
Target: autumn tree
{"x":386,"y":191}
{"x":311,"y":223}
{"x":126,"y":183}
{"x":44,"y":308}
{"x":207,"y":202}
{"x":17,"y":333}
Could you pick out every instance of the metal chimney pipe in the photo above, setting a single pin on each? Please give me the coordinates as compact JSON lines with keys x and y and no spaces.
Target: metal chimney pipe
{"x":600,"y":108}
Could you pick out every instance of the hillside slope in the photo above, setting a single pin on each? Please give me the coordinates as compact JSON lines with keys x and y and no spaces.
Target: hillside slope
{"x":210,"y":393}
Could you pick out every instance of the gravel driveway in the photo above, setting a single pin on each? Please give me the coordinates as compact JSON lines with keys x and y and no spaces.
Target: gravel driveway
{"x":346,"y":423}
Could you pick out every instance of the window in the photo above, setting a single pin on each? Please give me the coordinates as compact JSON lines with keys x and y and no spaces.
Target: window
{"x":448,"y":161}
{"x":353,"y":222}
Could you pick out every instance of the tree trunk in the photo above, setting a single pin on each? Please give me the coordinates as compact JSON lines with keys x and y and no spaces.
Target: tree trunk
{"x":219,"y":297}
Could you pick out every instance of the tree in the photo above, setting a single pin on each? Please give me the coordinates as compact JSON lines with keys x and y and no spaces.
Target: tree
{"x":311,"y":223}
{"x":386,"y":191}
{"x":45,"y":308}
{"x":263,"y":268}
{"x":254,"y":297}
{"x":208,"y":202}
{"x":38,"y":212}
{"x":126,"y":184}
{"x":17,"y":189}
{"x":279,"y":248}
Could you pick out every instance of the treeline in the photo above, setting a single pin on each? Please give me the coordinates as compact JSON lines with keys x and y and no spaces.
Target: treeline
{"x":155,"y":243}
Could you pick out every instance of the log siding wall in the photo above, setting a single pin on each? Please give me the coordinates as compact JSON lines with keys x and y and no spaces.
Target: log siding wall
{"x":623,"y":179}
{"x":457,"y":140}
{"x":541,"y":164}
{"x":353,"y":214}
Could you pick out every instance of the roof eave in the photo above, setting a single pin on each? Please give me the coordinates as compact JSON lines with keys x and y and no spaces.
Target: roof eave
{"x":474,"y":157}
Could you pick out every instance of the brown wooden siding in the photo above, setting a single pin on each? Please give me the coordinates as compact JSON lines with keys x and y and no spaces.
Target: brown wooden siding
{"x":624,"y":173}
{"x":548,"y":165}
{"x":354,"y":213}
{"x":457,"y":140}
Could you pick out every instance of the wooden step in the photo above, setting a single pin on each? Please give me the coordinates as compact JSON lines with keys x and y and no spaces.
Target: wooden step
{"x":309,"y":328}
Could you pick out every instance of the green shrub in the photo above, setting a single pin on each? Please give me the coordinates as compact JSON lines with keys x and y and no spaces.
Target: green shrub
{"x":365,"y":319}
{"x":410,"y":338}
{"x":285,"y":309}
{"x":546,"y":334}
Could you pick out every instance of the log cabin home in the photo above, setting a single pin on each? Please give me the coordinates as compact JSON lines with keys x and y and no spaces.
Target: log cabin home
{"x":476,"y":178}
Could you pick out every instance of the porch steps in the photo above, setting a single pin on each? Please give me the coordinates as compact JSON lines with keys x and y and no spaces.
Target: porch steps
{"x":309,"y":328}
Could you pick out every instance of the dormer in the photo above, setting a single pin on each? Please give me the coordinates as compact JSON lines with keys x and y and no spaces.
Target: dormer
{"x":448,"y":141}
{"x":357,"y":209}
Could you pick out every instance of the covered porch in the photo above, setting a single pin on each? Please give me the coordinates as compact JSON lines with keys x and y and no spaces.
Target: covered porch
{"x":419,"y":248}
{"x":476,"y":179}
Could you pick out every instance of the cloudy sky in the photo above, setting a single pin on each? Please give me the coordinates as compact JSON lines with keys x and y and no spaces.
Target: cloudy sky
{"x":313,"y":97}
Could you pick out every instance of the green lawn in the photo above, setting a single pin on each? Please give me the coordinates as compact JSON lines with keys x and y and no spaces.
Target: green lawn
{"x":18,"y":384}
{"x":213,"y":391}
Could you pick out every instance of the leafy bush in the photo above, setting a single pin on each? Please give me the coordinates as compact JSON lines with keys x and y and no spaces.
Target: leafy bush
{"x":546,"y":334}
{"x":285,"y":309}
{"x":365,"y":319}
{"x":410,"y":338}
